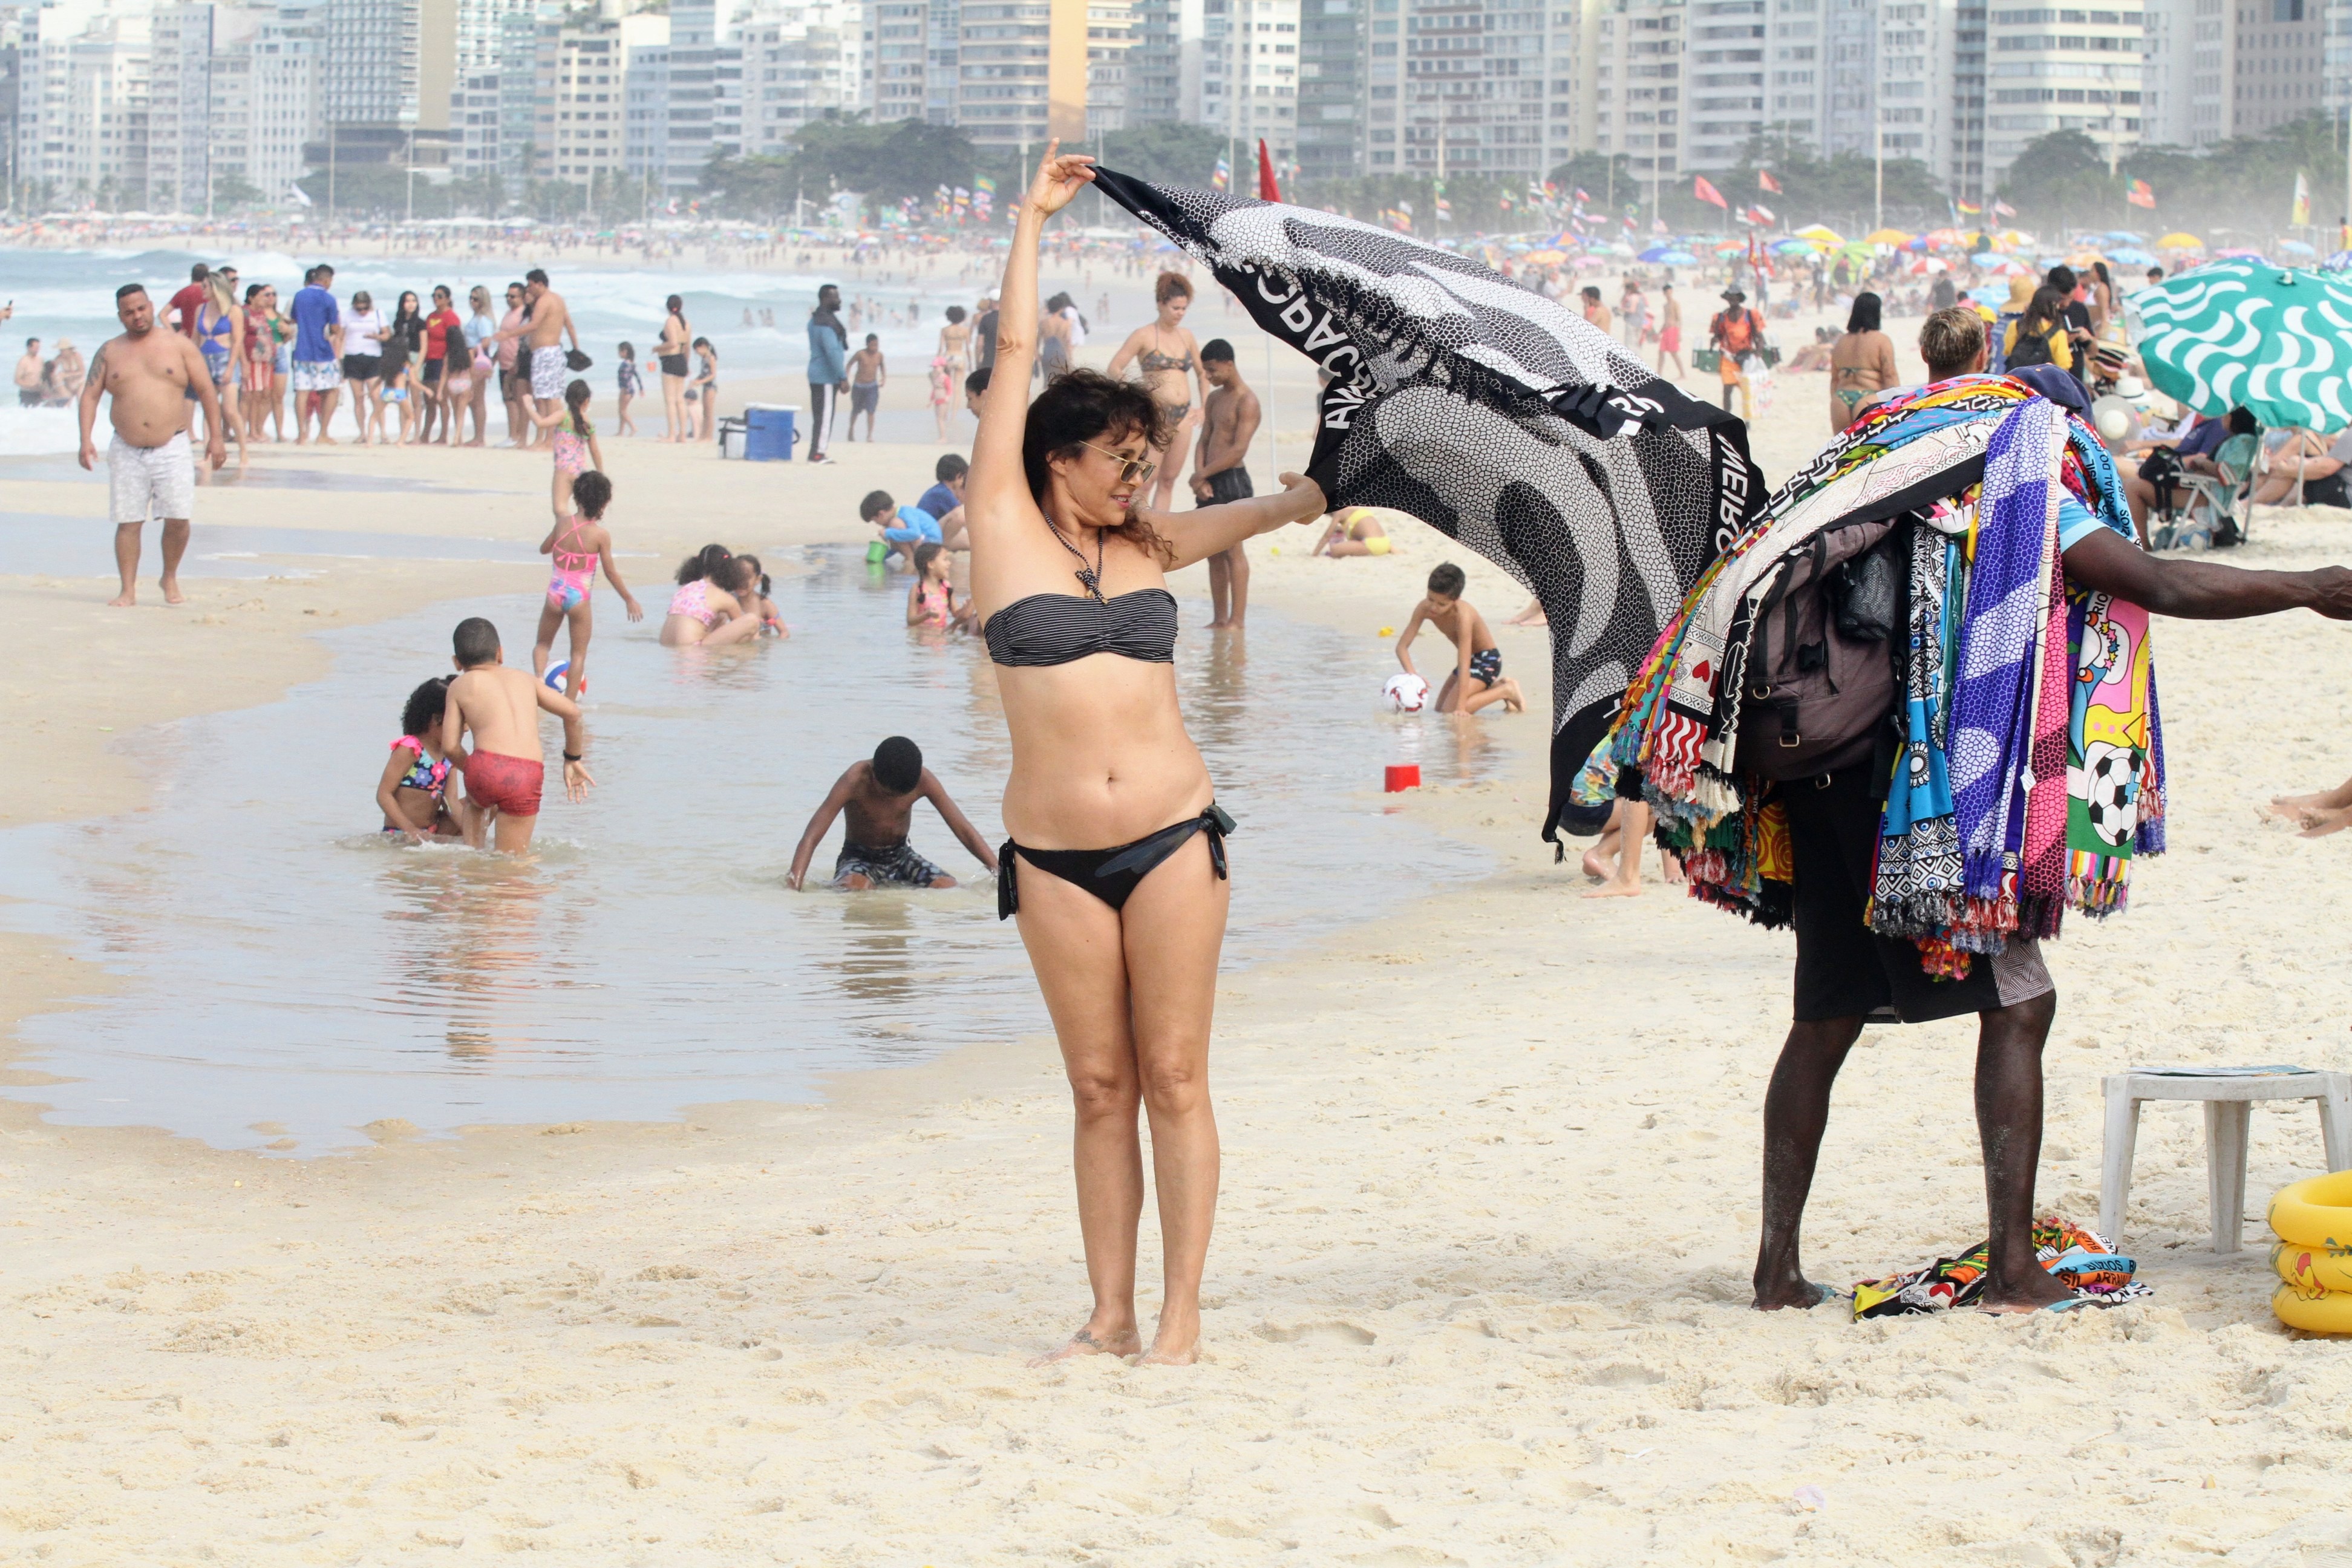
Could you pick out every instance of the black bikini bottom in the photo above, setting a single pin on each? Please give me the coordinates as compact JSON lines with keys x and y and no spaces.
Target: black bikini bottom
{"x":1111,"y":874}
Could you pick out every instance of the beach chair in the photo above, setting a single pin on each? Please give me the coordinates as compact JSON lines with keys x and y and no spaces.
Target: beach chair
{"x":2271,"y":464}
{"x":2216,"y":510}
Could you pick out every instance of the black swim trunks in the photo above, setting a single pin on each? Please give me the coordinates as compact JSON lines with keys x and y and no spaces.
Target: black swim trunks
{"x":1488,"y":665}
{"x":1233,"y":484}
{"x":1845,"y":970}
{"x":885,"y":865}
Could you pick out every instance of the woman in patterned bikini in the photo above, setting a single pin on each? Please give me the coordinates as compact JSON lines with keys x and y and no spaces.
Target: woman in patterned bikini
{"x":1124,"y":939}
{"x":1168,"y":358}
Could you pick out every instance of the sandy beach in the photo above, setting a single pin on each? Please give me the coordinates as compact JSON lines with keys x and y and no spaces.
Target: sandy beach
{"x":1478,"y":1293}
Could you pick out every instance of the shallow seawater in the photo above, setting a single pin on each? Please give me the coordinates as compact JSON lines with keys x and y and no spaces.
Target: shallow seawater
{"x":50,"y":544}
{"x":289,"y":977}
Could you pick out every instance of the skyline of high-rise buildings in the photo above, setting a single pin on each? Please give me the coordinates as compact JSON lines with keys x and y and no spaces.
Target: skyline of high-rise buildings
{"x":168,"y":104}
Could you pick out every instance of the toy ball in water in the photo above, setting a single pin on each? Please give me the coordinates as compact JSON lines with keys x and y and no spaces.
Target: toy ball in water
{"x":555,"y":673}
{"x":1405,"y":693}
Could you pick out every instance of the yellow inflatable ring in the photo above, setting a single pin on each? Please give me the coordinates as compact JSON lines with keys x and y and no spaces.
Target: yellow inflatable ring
{"x":2329,"y":1314}
{"x":2316,"y":1211}
{"x":2313,"y":1257}
{"x":2312,"y":1269}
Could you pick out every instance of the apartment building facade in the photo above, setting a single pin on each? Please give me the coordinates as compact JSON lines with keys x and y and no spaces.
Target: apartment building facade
{"x":799,"y":66}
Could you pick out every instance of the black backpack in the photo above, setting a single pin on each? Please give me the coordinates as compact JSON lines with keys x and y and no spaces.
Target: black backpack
{"x":1819,"y":684}
{"x":2033,"y":348}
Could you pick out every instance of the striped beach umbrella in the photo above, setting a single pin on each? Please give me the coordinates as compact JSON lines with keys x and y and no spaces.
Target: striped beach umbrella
{"x":2245,"y":334}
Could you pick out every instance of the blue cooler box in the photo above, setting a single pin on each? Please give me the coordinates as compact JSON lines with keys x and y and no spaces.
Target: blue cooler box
{"x":769,"y":432}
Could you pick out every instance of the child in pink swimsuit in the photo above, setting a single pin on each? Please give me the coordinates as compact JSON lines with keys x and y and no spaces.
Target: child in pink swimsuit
{"x":579,"y":543}
{"x":573,"y":443}
{"x":707,"y":607}
{"x":932,"y":602}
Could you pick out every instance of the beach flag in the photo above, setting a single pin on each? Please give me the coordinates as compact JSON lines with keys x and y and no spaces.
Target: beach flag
{"x":2003,"y":209}
{"x":1581,"y":195}
{"x":1223,"y":177}
{"x":1707,"y":194}
{"x":1268,"y":190}
{"x":2302,"y":201}
{"x":1760,"y":216}
{"x":2139,"y":196}
{"x":296,"y":194}
{"x":1497,"y":417}
{"x":1969,"y":209}
{"x":1765,"y":182}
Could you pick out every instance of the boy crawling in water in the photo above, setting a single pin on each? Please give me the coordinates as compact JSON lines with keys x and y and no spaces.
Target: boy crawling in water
{"x":1476,"y":656}
{"x":879,"y":797}
{"x":504,"y":771}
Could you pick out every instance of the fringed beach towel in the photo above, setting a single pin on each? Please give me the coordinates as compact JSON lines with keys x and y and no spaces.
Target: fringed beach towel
{"x":2031,"y":769}
{"x":1496,"y":415}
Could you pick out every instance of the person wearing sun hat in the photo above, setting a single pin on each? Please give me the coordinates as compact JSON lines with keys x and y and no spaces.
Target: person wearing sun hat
{"x":1737,"y":333}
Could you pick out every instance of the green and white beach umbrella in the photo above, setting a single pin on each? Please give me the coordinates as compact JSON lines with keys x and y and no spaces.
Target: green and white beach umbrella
{"x":2252,"y":336}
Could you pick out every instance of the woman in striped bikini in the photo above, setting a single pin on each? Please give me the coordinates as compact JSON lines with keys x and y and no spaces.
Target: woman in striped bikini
{"x":1116,"y":870}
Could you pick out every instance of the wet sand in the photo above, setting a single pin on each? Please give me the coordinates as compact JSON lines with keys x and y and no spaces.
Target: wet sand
{"x":1478,"y":1290}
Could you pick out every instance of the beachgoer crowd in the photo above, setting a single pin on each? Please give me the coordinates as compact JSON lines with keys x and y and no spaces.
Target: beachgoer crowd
{"x":413,"y":370}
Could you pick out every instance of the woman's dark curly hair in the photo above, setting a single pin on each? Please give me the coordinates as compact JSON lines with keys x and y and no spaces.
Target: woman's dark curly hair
{"x":1083,"y":406}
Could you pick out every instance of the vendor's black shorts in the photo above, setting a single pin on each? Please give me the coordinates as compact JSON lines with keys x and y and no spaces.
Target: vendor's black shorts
{"x":2332,"y":491}
{"x":1844,"y":969}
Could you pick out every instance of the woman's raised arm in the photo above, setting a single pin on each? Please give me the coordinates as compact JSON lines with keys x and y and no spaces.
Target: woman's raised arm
{"x":996,"y":473}
{"x":1205,"y":531}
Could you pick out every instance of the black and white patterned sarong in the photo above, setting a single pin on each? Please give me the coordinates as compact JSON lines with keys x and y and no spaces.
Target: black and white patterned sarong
{"x":1497,"y":417}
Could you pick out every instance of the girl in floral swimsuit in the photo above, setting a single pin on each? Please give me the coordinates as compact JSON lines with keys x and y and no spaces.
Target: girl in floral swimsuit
{"x":578,"y":544}
{"x":574,"y":444}
{"x":417,"y":772}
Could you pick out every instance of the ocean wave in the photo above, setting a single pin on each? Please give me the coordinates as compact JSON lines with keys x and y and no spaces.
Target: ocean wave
{"x":37,"y":432}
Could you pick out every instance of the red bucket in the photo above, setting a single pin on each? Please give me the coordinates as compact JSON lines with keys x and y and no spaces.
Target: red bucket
{"x":1404,"y":775}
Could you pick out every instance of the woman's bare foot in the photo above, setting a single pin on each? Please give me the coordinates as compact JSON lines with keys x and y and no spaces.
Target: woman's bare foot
{"x":1089,"y":1341}
{"x":1616,"y":887}
{"x":1178,"y":1341}
{"x":126,"y":600}
{"x":1670,"y":869}
{"x":1598,"y":866}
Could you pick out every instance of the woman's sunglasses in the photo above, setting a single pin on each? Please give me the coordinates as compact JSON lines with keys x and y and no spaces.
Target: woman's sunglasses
{"x":1139,"y":469}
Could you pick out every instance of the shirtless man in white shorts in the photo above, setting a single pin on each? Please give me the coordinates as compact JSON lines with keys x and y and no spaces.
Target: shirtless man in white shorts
{"x":153,"y":377}
{"x":546,"y":321}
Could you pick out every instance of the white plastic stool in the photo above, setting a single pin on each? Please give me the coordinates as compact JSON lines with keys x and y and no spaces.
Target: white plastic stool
{"x":2228,"y":1094}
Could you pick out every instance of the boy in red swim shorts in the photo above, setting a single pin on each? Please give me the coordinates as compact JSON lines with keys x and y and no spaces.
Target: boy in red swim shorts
{"x":503,"y":773}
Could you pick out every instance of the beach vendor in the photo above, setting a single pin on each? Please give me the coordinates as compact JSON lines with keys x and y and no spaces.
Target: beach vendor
{"x":1912,"y":713}
{"x":1738,"y":333}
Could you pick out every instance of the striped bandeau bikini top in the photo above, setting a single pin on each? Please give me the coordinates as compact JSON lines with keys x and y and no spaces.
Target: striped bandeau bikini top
{"x":1055,"y":629}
